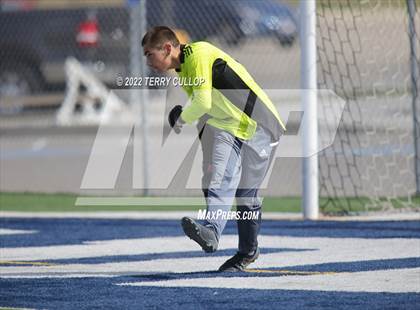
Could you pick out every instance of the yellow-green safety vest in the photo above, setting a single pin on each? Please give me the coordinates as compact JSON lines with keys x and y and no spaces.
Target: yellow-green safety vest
{"x":221,"y":88}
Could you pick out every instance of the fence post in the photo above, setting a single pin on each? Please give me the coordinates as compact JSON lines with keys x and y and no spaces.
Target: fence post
{"x":138,"y":27}
{"x":414,"y":90}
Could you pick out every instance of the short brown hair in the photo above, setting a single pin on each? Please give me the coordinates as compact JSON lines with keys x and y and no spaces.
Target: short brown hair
{"x":159,"y":35}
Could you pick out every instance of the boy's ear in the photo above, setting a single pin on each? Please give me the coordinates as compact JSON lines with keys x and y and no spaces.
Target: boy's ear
{"x":167,"y":47}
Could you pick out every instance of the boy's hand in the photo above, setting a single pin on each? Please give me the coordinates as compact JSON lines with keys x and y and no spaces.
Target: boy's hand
{"x":174,"y":119}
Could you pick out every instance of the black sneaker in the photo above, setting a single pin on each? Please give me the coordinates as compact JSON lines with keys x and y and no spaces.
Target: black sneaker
{"x":201,"y":234}
{"x":239,"y":261}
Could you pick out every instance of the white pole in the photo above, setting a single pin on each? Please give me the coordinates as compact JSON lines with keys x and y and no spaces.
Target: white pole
{"x":138,"y":26}
{"x":308,"y":78}
{"x":414,"y":64}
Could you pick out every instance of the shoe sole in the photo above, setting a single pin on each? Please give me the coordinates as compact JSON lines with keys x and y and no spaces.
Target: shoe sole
{"x":193,"y":232}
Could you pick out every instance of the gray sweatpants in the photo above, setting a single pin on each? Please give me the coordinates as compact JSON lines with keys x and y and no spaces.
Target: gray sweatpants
{"x":235,"y":168}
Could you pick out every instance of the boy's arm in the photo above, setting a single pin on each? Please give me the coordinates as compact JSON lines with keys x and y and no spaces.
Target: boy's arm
{"x":201,"y":96}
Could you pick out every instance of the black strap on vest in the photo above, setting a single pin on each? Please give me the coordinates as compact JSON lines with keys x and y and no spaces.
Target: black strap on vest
{"x":227,"y":81}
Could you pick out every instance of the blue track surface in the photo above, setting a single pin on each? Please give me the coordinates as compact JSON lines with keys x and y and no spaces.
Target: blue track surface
{"x":87,"y":293}
{"x":75,"y":231}
{"x":90,"y":293}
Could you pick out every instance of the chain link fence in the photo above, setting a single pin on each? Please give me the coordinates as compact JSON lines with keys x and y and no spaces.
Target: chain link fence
{"x":38,"y":36}
{"x":364,"y":56}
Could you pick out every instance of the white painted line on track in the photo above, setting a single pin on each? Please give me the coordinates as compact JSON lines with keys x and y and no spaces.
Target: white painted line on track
{"x":177,"y":215}
{"x":390,"y":281}
{"x":4,"y":231}
{"x":291,"y":254}
{"x":134,"y":215}
{"x":343,"y":249}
